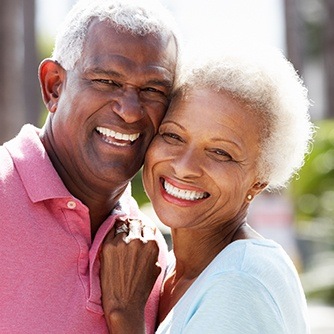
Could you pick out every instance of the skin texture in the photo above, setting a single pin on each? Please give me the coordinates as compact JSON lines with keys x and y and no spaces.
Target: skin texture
{"x":121,"y":83}
{"x":208,"y":143}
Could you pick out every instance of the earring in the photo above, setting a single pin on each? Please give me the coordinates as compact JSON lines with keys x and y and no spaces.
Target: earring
{"x":249,"y":197}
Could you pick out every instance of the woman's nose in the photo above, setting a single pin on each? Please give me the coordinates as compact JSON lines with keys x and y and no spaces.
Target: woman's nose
{"x":187,"y":164}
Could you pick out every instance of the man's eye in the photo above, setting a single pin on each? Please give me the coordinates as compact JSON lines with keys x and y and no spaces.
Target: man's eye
{"x":154,"y":95}
{"x":152,"y":90}
{"x":108,"y":82}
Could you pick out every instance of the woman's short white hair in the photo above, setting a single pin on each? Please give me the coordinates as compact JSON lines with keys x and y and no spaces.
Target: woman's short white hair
{"x":139,"y":17}
{"x":267,"y":83}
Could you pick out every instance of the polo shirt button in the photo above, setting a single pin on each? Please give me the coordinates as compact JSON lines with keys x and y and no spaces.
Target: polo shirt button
{"x":71,"y":204}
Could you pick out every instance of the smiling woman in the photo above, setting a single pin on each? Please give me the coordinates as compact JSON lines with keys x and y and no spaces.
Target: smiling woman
{"x":228,"y":134}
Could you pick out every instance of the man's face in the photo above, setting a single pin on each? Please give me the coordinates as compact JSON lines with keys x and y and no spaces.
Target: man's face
{"x":111,"y":104}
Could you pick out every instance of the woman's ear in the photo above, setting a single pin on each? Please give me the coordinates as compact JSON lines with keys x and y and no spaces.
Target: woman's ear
{"x":51,"y":77}
{"x":256,"y":189}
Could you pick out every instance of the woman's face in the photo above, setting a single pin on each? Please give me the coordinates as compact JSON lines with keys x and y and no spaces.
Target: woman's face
{"x":201,"y":165}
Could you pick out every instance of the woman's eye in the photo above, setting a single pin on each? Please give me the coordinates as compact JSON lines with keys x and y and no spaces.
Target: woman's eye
{"x":151,"y":89}
{"x":171,"y":137}
{"x":221,"y":154}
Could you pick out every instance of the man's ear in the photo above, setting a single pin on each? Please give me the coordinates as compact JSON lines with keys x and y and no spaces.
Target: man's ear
{"x":51,"y":77}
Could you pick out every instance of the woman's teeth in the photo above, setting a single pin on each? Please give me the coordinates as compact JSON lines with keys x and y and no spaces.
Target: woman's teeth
{"x":189,"y":195}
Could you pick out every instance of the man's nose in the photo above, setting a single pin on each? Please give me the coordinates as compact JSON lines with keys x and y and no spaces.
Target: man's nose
{"x":128,"y":106}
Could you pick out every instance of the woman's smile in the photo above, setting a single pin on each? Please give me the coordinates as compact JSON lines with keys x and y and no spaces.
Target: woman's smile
{"x":182,"y":193}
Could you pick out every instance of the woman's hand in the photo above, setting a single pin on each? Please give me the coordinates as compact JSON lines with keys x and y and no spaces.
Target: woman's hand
{"x":128,"y":273}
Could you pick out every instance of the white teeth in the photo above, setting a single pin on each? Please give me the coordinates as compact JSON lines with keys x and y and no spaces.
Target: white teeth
{"x":183,"y":194}
{"x":117,"y":135}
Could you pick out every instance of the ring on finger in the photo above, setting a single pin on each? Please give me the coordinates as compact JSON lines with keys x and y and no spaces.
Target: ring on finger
{"x":121,"y":229}
{"x":135,"y":230}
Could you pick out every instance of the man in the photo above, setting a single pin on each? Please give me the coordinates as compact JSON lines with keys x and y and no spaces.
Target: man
{"x":62,"y":187}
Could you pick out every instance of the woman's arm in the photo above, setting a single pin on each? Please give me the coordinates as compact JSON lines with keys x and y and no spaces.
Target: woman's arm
{"x":128,"y":274}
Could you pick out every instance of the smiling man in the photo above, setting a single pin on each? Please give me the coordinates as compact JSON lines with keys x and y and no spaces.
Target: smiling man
{"x":62,"y":187}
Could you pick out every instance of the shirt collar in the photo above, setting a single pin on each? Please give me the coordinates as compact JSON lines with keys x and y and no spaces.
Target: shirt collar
{"x":34,"y":166}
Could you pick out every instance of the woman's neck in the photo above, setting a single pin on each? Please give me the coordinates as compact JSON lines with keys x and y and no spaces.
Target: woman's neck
{"x":194,"y":250}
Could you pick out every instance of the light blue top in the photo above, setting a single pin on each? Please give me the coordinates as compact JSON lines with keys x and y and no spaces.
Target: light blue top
{"x":251,"y":286}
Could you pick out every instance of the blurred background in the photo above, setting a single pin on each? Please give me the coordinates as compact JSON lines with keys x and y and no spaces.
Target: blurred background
{"x":301,"y":218}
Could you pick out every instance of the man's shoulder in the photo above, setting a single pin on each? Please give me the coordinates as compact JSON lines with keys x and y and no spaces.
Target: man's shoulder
{"x":21,"y":157}
{"x":7,"y":164}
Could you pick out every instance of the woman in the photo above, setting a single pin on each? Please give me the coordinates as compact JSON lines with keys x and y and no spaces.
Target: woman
{"x":237,"y":125}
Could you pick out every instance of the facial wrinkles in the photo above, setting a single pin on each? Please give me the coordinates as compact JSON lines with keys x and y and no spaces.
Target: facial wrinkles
{"x":126,"y":71}
{"x":155,"y":54}
{"x":116,"y":67}
{"x":158,"y":164}
{"x":237,"y":132}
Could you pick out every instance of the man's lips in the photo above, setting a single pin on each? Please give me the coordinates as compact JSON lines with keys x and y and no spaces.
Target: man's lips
{"x":117,"y":138}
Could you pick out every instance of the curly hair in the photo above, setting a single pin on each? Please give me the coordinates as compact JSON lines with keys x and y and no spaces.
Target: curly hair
{"x":266,"y":82}
{"x":139,"y":17}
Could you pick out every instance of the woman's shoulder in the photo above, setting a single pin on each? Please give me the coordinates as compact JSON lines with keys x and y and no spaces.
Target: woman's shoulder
{"x":246,"y":254}
{"x":261,"y":261}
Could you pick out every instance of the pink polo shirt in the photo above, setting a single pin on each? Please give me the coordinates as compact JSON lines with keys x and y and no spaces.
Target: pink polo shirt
{"x":49,"y":267}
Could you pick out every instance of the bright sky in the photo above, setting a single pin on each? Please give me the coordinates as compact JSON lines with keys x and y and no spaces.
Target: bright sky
{"x":258,"y":20}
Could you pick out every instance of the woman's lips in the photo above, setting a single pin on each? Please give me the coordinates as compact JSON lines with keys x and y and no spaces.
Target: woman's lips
{"x":183,"y":193}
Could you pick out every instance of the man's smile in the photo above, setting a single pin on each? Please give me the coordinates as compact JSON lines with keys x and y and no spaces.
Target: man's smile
{"x":117,"y":138}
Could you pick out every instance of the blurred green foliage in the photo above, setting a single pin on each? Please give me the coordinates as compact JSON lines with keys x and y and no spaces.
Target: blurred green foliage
{"x":138,"y":191}
{"x":313,"y":190}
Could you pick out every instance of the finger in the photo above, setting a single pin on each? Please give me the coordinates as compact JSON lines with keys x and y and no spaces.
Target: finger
{"x":148,"y":233}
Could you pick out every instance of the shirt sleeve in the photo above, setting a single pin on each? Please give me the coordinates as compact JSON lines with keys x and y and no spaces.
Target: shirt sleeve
{"x":235,"y":303}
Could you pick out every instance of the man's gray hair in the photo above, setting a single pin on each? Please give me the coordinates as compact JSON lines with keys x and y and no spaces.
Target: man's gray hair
{"x":139,"y":17}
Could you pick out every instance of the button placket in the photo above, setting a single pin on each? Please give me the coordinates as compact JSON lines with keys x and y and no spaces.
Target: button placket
{"x":77,"y":218}
{"x":71,"y":205}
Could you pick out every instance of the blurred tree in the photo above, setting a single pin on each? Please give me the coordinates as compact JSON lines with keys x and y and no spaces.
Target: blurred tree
{"x":11,"y":52}
{"x":329,"y":55}
{"x":313,"y":190}
{"x":294,"y":33}
{"x":19,"y":96}
{"x":32,"y":97}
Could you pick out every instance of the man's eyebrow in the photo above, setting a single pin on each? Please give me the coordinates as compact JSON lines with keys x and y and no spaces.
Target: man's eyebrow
{"x":98,"y":70}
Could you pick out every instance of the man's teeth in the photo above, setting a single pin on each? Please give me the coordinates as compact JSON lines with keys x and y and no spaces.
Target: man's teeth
{"x":189,"y":195}
{"x":117,"y":135}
